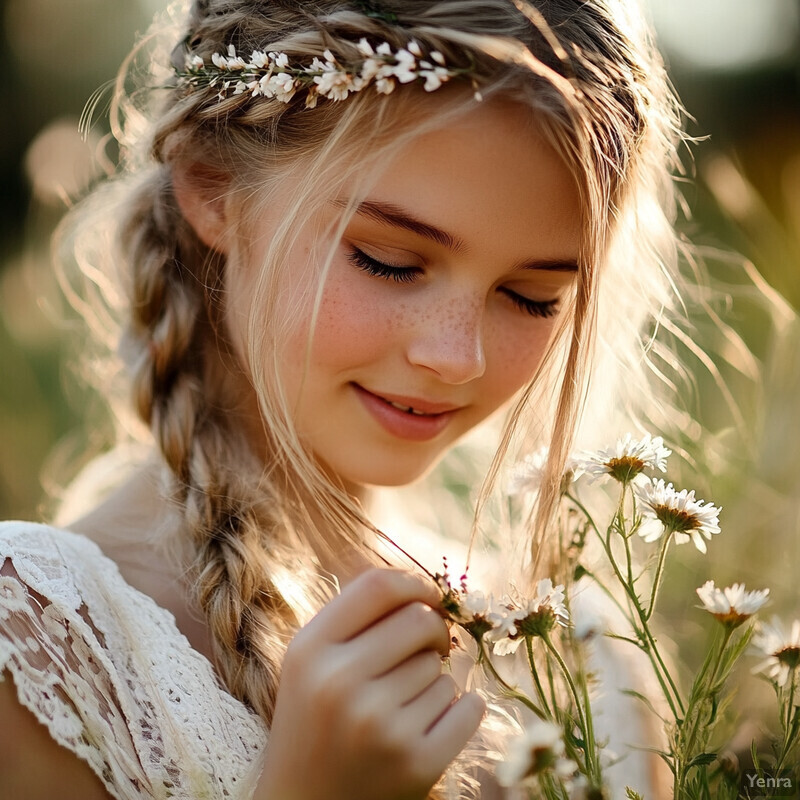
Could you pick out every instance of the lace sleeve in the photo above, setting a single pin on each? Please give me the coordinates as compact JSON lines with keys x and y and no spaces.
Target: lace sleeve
{"x":106,"y":671}
{"x":60,"y":677}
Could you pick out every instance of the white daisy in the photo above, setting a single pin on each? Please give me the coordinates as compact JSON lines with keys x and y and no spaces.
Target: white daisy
{"x":472,"y":610}
{"x":526,"y":475}
{"x":504,"y":636}
{"x":628,"y":459}
{"x":678,"y":513}
{"x":732,"y":605}
{"x":534,"y":617}
{"x":539,"y":749}
{"x":782,"y":649}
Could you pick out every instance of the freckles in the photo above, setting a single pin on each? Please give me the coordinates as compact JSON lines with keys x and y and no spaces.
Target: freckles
{"x":515,"y":358}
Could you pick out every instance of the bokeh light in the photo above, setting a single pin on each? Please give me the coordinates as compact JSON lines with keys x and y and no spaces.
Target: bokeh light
{"x":729,"y":35}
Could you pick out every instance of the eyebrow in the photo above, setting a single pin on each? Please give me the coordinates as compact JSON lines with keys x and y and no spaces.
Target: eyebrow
{"x":551,"y":265}
{"x":395,"y":216}
{"x":389,"y":214}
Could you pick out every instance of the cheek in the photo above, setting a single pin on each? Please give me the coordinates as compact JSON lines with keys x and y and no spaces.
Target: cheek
{"x":514,"y":352}
{"x":352,"y":325}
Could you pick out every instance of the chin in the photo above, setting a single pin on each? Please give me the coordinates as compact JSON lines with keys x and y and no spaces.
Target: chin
{"x":389,"y":472}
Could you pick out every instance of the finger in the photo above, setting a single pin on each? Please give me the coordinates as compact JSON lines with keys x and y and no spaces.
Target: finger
{"x":407,"y":681}
{"x":370,"y":597}
{"x":448,"y":735}
{"x":428,"y":707}
{"x":411,"y":629}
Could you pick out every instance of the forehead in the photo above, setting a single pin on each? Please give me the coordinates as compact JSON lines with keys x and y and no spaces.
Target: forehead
{"x":491,"y":179}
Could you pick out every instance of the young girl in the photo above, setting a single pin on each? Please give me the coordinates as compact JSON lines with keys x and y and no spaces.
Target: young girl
{"x":345,"y":233}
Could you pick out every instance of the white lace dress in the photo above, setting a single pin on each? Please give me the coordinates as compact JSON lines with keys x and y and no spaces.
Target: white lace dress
{"x":112,"y":678}
{"x":108,"y":672}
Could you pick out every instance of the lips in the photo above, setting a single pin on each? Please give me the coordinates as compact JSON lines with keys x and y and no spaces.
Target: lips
{"x":417,"y":405}
{"x":404,"y":417}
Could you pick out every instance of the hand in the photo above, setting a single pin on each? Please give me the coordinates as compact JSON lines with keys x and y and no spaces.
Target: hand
{"x":363,"y":709}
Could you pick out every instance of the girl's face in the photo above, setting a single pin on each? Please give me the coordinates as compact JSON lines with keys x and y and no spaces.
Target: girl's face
{"x":440,"y":301}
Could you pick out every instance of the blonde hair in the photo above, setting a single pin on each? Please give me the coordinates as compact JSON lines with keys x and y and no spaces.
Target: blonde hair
{"x":588,"y":71}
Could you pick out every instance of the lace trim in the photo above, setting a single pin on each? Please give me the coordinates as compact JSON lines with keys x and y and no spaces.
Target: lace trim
{"x":112,"y":678}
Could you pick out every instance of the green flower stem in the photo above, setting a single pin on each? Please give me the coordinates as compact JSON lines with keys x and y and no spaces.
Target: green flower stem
{"x":535,"y":675}
{"x":788,"y":743}
{"x":790,"y":700}
{"x":552,"y":685}
{"x":625,"y":535}
{"x":587,"y":728}
{"x":659,"y":668}
{"x":655,"y":657}
{"x":510,"y":690}
{"x":662,"y":554}
{"x":686,"y":754}
{"x":672,"y":697}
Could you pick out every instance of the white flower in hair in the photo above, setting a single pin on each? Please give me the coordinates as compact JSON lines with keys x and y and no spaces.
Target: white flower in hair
{"x":271,"y":75}
{"x":259,"y":59}
{"x":405,"y":70}
{"x":434,"y":76}
{"x":281,"y":86}
{"x":365,"y":48}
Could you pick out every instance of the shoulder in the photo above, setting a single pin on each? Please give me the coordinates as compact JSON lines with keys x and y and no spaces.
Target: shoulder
{"x":32,"y":763}
{"x":47,"y":552}
{"x":39,"y":601}
{"x":103,"y":670}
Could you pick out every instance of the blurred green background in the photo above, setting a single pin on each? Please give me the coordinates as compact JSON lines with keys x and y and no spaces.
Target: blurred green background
{"x":736,"y":65}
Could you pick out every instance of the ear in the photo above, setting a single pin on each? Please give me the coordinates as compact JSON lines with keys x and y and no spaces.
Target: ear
{"x":200,"y":192}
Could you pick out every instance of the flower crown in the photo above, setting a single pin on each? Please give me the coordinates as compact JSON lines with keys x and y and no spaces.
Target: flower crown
{"x":270,"y":75}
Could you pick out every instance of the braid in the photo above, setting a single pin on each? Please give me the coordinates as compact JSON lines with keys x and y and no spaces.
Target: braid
{"x":229,"y":572}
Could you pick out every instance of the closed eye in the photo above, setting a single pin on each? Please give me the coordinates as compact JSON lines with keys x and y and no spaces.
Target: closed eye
{"x":358,"y":258}
{"x":536,"y":308}
{"x":544,"y":309}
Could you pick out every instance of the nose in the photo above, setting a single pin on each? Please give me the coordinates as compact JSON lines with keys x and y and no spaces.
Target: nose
{"x":448,"y":340}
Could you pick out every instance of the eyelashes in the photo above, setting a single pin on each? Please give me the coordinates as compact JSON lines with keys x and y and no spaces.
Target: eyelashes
{"x":378,"y":269}
{"x":536,"y":308}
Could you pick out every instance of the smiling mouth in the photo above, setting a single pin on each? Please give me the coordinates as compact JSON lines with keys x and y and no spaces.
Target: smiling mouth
{"x":413,"y":406}
{"x":405,"y":417}
{"x":407,"y":409}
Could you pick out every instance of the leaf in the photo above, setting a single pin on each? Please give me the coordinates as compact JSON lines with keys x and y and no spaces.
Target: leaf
{"x":646,"y":700}
{"x":624,"y":639}
{"x":631,"y":794}
{"x":703,"y":759}
{"x":754,"y":754}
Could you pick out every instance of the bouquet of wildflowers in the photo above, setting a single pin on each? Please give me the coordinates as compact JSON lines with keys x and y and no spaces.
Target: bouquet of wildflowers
{"x":560,"y":754}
